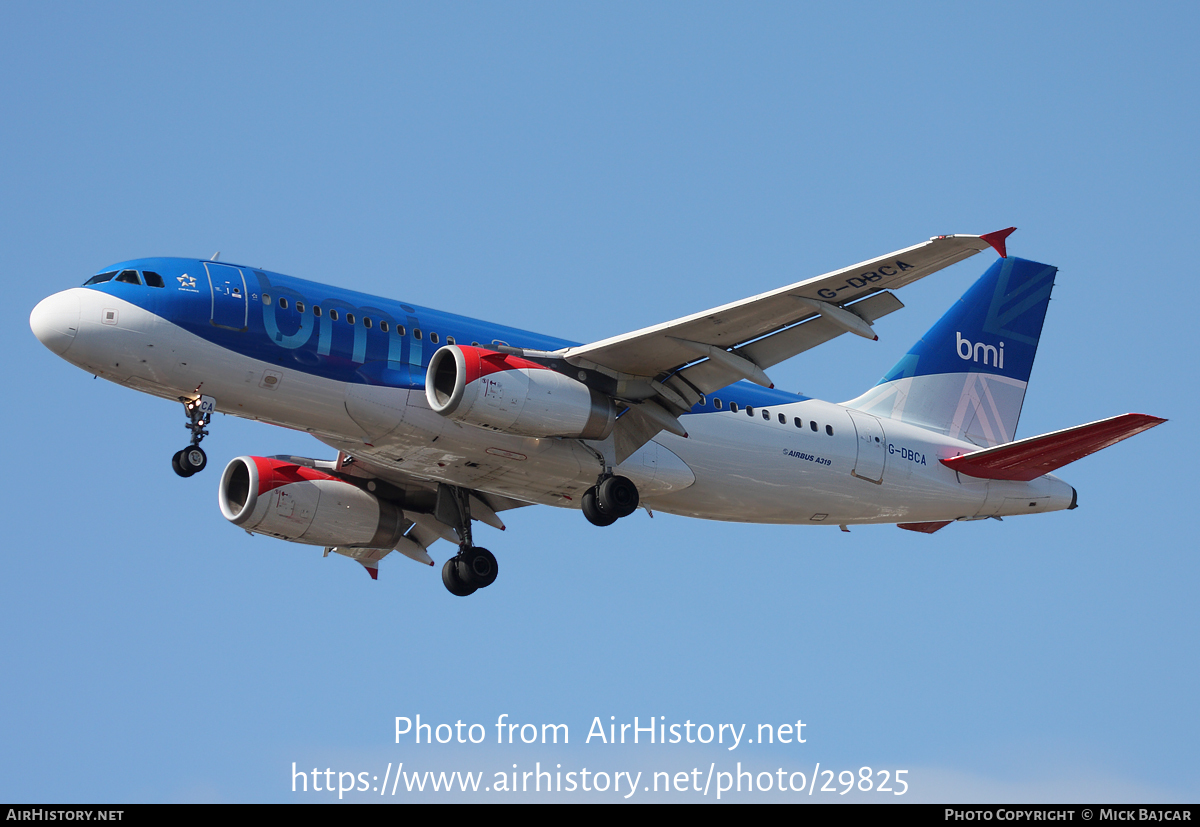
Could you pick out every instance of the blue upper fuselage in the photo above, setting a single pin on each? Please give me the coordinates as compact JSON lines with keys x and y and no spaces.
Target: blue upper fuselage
{"x":324,"y":330}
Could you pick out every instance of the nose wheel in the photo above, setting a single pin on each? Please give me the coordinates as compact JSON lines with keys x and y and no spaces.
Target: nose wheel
{"x":192,"y":459}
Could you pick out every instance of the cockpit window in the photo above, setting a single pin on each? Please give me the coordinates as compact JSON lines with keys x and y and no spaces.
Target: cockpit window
{"x":129,"y":277}
{"x":103,"y":277}
{"x":153,"y":279}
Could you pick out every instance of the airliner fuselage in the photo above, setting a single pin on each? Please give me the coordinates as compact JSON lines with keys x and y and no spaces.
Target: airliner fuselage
{"x":355,"y":371}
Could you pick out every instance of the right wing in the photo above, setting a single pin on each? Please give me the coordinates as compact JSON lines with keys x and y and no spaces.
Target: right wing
{"x":661,"y":348}
{"x":664,"y":370}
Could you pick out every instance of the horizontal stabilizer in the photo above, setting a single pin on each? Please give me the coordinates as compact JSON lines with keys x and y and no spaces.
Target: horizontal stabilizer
{"x":1028,"y":459}
{"x":925,"y":528}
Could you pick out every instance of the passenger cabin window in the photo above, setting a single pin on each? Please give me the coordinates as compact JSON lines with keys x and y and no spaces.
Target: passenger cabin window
{"x":749,"y":410}
{"x":367,"y":322}
{"x":433,"y":337}
{"x":814,"y":426}
{"x":766,"y":414}
{"x":316,"y":310}
{"x":282,"y":303}
{"x":417,"y":333}
{"x":153,"y":279}
{"x":829,"y":430}
{"x":385,"y":327}
{"x":717,"y":403}
{"x":349,"y":318}
{"x":733,"y":406}
{"x":449,"y":340}
{"x":299,"y":307}
{"x":333,"y":314}
{"x":100,"y":279}
{"x":799,"y":422}
{"x":782,"y":419}
{"x":129,"y":277}
{"x":267,"y":298}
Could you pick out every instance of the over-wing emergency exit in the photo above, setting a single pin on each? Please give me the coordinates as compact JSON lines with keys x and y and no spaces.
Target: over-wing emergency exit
{"x":441,"y":421}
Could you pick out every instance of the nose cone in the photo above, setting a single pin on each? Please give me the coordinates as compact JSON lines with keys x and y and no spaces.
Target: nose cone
{"x":55,"y":320}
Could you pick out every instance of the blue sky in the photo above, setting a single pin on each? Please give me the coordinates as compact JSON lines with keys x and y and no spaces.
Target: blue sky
{"x":584,"y":170}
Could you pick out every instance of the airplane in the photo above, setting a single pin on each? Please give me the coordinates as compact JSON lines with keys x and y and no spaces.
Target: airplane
{"x":440,"y":421}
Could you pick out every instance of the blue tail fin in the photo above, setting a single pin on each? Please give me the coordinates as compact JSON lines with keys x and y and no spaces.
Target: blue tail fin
{"x":967,"y":376}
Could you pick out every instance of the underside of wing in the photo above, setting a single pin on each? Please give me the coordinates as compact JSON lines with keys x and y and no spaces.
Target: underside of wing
{"x":431,"y":511}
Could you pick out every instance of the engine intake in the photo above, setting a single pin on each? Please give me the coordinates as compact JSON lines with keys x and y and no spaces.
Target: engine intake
{"x":304,"y":505}
{"x":502,"y":392}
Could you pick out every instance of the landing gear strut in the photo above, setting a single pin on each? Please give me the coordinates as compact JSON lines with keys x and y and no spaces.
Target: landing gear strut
{"x":609,"y":500}
{"x":473,"y":567}
{"x":192,"y":459}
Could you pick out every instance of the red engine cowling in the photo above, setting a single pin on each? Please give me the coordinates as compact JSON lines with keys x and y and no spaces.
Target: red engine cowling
{"x":304,"y":505}
{"x":506,"y":393}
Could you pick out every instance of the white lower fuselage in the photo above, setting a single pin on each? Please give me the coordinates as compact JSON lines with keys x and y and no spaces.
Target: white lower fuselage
{"x":733,"y":466}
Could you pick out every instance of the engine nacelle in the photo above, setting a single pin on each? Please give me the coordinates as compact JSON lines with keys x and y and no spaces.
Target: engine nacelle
{"x":506,"y":393}
{"x":304,"y":505}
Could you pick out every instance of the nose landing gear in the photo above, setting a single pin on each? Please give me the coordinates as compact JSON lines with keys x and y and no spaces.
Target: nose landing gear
{"x":192,"y":459}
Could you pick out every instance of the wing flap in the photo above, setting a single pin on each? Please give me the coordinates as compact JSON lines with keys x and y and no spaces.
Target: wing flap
{"x":1028,"y":459}
{"x":710,"y":375}
{"x":925,"y":528}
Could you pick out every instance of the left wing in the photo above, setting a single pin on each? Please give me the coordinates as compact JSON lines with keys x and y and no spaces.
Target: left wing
{"x":422,"y":503}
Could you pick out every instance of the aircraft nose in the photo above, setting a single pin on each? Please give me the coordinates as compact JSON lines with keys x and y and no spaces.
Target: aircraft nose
{"x":55,"y":320}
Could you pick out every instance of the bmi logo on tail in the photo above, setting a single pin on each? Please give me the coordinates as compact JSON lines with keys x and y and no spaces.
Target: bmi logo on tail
{"x":972,"y":353}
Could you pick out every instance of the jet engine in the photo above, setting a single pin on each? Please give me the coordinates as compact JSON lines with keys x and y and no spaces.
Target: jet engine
{"x":506,"y":393}
{"x":305,"y":505}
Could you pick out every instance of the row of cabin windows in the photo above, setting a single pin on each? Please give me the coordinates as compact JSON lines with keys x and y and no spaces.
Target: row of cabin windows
{"x":766,"y":414}
{"x":367,"y":322}
{"x":153,"y":279}
{"x":128,"y":277}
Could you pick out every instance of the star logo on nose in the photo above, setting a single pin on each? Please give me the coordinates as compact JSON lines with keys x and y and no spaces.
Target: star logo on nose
{"x":186,"y":281}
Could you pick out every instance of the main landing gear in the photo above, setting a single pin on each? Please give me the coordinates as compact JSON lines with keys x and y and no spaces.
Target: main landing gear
{"x":610,"y":500}
{"x":192,"y":459}
{"x":473,"y":568}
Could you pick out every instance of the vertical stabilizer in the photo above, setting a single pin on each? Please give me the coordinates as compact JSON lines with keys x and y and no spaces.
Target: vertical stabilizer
{"x":967,"y":376}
